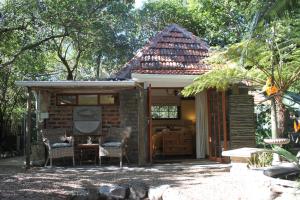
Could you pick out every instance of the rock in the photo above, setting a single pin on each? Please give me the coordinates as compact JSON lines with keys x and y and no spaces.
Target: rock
{"x":91,"y":189}
{"x":119,"y":192}
{"x":37,"y":154}
{"x":138,"y":190}
{"x":281,"y":171}
{"x":282,"y":189}
{"x":173,"y":194}
{"x":156,"y":193}
{"x":112,"y":192}
{"x":288,"y":196}
{"x":81,"y":194}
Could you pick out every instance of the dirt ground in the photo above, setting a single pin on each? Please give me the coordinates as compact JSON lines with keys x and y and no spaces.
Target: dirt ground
{"x":202,"y":180}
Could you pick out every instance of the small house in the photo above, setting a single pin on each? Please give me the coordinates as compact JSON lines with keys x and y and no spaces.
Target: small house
{"x":146,"y":95}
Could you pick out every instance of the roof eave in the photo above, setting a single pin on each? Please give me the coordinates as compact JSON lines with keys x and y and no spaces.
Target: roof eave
{"x":73,"y":84}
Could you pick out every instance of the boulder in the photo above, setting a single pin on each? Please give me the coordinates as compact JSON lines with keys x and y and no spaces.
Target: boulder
{"x":173,"y":194}
{"x":156,"y":193}
{"x":81,"y":194}
{"x":112,"y":192}
{"x":138,"y":190}
{"x":281,"y":171}
{"x":289,"y":196}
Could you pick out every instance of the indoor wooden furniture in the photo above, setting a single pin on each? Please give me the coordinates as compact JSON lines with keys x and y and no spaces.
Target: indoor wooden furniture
{"x":177,"y":142}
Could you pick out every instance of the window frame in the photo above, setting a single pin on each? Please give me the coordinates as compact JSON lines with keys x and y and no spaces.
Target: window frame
{"x":73,"y":104}
{"x":116,"y":99}
{"x":178,"y":113}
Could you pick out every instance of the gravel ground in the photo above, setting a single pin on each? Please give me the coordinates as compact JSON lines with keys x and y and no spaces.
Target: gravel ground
{"x":210,"y":182}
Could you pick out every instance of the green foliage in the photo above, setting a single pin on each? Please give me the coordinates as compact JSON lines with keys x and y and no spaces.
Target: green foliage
{"x":251,"y":60}
{"x":221,"y":79}
{"x":48,"y":40}
{"x":286,"y":154}
{"x":263,"y":159}
{"x":263,"y":124}
{"x":219,"y":22}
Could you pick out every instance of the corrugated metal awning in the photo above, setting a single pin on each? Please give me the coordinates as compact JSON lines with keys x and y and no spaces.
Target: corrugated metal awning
{"x":75,"y":84}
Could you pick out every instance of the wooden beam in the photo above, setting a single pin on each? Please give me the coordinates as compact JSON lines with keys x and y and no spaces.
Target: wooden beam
{"x":150,"y":124}
{"x":28,"y":128}
{"x":224,"y":119}
{"x":219,"y":101}
{"x":141,"y":128}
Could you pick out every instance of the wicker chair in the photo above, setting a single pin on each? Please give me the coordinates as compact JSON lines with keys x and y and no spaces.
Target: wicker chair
{"x":115,"y":145}
{"x":55,"y":141}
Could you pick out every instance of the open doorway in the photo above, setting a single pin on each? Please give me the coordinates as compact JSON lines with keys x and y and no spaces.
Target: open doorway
{"x":172,"y":125}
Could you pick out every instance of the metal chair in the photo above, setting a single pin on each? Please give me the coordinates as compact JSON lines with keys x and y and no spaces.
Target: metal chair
{"x":54,"y":139}
{"x":115,"y":145}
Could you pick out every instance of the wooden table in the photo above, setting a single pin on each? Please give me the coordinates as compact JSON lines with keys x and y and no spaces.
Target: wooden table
{"x":88,"y":149}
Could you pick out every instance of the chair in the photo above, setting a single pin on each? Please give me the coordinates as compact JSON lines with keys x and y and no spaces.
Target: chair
{"x":58,"y":144}
{"x":115,"y":145}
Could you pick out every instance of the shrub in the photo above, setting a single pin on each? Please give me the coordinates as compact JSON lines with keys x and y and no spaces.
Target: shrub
{"x":262,"y":159}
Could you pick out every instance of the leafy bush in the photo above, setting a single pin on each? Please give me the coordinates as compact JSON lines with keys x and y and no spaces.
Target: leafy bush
{"x":263,"y":124}
{"x":286,"y":154}
{"x":262,"y":159}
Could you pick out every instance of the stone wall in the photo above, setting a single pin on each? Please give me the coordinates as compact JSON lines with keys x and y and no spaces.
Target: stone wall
{"x":129,"y":117}
{"x":241,"y":121}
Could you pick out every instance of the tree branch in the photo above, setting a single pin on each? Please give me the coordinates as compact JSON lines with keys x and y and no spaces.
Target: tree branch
{"x":10,"y":29}
{"x":29,"y":47}
{"x":293,"y":79}
{"x":77,"y":59}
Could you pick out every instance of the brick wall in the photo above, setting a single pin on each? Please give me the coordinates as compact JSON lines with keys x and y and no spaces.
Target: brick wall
{"x":62,"y":116}
{"x":124,"y":114}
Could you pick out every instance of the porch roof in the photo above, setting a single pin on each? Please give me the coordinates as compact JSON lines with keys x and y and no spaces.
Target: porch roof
{"x":76,"y":84}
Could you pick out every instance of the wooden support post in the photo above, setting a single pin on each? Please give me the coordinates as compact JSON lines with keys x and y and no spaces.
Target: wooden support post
{"x":150,"y":124}
{"x":224,"y":120}
{"x":218,"y":138}
{"x":141,"y":127}
{"x":28,"y":128}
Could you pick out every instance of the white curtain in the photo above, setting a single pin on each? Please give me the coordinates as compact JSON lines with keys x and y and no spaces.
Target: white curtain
{"x":201,"y":125}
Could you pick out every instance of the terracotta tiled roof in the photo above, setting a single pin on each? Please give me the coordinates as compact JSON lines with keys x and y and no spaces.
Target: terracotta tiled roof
{"x":173,"y":50}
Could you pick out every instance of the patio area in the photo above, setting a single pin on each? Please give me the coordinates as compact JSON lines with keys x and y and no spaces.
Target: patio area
{"x":191,"y":179}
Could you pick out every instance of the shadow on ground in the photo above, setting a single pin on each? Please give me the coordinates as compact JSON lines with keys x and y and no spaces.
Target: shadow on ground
{"x":60,"y":182}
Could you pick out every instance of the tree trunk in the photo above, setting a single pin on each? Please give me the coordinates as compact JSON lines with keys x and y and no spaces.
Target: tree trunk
{"x":70,"y":76}
{"x":273,"y":119}
{"x":1,"y":127}
{"x":99,"y":66}
{"x":281,"y":116}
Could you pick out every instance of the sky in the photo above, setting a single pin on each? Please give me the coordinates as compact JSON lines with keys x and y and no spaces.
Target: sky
{"x":139,"y":3}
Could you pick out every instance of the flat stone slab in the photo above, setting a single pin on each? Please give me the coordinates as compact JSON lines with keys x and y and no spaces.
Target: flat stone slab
{"x":242,"y":152}
{"x":281,"y":171}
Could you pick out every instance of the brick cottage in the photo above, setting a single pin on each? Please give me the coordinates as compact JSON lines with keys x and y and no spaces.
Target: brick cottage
{"x":145,"y":95}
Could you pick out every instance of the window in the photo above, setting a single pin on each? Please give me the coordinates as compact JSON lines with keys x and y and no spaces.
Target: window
{"x":86,"y":99}
{"x":90,"y":99}
{"x":165,"y":112}
{"x":107,"y":99}
{"x":66,"y":100}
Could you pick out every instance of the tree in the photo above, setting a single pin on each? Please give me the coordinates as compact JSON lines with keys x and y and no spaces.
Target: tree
{"x":272,"y":52}
{"x":21,"y":30}
{"x":218,"y":22}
